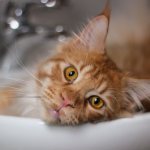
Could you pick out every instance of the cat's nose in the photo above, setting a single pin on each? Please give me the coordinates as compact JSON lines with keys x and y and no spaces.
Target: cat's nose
{"x":67,"y":101}
{"x":65,"y":98}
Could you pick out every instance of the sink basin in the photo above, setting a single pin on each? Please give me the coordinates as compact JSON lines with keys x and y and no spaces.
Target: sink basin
{"x":33,"y":134}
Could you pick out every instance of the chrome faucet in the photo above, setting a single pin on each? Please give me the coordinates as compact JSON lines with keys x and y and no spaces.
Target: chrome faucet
{"x":15,"y":21}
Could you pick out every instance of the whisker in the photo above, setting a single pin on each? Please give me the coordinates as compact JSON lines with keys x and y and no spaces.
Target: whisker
{"x":14,"y":91}
{"x":24,"y":96}
{"x":13,"y":79}
{"x":24,"y":67}
{"x":78,"y":37}
{"x":37,"y":97}
{"x":8,"y":88}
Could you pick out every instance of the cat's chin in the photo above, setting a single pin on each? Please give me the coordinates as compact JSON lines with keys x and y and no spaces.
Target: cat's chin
{"x":68,"y":116}
{"x":59,"y":118}
{"x":51,"y":117}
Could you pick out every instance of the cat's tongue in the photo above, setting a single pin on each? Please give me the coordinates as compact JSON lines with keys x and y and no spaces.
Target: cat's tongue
{"x":55,"y":114}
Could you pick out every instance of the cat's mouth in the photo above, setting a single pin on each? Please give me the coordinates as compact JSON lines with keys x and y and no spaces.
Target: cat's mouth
{"x":55,"y":113}
{"x":64,"y":105}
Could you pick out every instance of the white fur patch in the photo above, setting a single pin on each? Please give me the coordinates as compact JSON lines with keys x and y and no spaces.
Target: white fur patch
{"x":138,"y":90}
{"x":48,"y":67}
{"x":102,"y":87}
{"x":82,"y":74}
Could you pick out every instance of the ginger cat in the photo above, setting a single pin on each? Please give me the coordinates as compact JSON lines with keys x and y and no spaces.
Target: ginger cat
{"x":79,"y":84}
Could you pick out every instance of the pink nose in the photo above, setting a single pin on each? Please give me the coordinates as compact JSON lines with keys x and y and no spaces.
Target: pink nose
{"x":64,"y":104}
{"x":66,"y":100}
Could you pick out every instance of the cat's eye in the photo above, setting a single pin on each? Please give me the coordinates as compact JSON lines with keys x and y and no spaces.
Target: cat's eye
{"x":96,"y":102}
{"x":70,"y":73}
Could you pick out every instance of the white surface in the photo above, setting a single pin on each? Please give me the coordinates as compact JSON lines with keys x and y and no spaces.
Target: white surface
{"x":32,"y":134}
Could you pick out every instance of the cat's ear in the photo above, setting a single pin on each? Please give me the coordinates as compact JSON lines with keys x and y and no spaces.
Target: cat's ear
{"x":94,"y":34}
{"x":137,"y":90}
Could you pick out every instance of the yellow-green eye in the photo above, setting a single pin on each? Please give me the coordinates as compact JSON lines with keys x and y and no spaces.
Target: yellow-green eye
{"x":96,"y":102}
{"x":70,"y":73}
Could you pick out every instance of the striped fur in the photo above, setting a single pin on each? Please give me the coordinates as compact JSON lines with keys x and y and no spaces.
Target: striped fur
{"x":67,"y":102}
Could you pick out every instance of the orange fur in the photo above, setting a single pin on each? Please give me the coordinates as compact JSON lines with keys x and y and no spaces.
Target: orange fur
{"x":68,"y":102}
{"x":84,"y":52}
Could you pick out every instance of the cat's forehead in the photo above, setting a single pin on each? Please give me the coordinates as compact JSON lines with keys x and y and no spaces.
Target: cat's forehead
{"x":80,"y":57}
{"x":83,"y":60}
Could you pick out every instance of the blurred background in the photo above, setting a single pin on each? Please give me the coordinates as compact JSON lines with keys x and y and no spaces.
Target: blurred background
{"x":30,"y":29}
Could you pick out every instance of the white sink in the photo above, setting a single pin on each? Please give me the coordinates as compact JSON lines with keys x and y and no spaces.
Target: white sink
{"x":33,"y":134}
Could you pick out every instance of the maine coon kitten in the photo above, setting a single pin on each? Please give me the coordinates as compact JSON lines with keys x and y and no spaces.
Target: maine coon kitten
{"x":80,"y":83}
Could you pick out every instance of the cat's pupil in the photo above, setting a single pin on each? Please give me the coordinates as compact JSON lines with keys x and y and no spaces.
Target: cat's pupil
{"x":96,"y":100}
{"x":71,"y":73}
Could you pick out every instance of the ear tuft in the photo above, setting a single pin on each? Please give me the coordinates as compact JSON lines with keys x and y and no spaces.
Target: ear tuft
{"x":107,"y":10}
{"x":93,"y":36}
{"x":138,"y":90}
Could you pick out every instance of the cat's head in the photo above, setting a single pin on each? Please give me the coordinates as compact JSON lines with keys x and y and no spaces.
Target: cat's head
{"x":81,"y":83}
